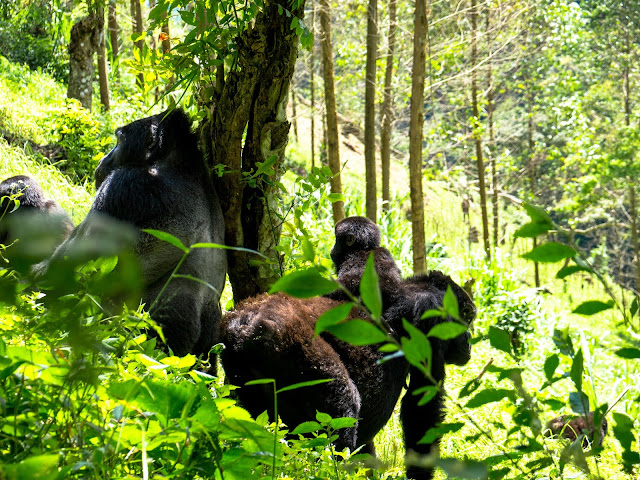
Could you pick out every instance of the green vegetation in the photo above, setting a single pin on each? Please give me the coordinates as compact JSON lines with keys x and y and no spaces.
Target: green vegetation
{"x":85,"y":393}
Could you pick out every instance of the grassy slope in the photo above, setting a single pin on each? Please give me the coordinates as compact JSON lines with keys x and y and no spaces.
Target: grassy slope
{"x":22,"y":104}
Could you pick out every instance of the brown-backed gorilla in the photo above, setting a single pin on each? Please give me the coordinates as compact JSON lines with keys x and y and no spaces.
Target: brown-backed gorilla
{"x":156,"y":178}
{"x":26,"y":214}
{"x":272,"y":336}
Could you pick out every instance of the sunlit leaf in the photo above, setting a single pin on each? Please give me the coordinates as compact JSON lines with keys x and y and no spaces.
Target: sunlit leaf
{"x":304,"y":284}
{"x":550,"y":252}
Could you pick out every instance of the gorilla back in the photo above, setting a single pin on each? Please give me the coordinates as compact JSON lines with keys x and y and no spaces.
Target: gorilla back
{"x":156,"y":178}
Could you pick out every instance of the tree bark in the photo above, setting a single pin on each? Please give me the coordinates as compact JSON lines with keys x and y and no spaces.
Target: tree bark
{"x":331,"y":109}
{"x":312,"y":86}
{"x":103,"y":74}
{"x":532,"y":184}
{"x":252,"y":105}
{"x":476,"y":129}
{"x":415,"y":135}
{"x":137,"y":30}
{"x":113,"y":28}
{"x":387,"y":109}
{"x":82,"y":45}
{"x":492,"y":140}
{"x":370,"y":111}
{"x":293,"y":111}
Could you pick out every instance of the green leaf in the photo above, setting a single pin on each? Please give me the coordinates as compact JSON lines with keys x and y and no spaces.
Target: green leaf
{"x":633,"y":310}
{"x":370,"y":288}
{"x":304,"y":284}
{"x":538,"y":214}
{"x":323,"y":418}
{"x":531,"y":230}
{"x":550,"y":365}
{"x":358,"y":332}
{"x":466,"y":469}
{"x":623,"y":430}
{"x":261,"y":381}
{"x":38,"y":467}
{"x":428,"y":393}
{"x":550,"y":252}
{"x":335,"y":197}
{"x":436,"y":432}
{"x":306,"y":427}
{"x":332,"y":317}
{"x":308,"y":252}
{"x":166,"y":237}
{"x":343,"y":422}
{"x":499,"y":339}
{"x":577,"y":369}
{"x":591,"y":307}
{"x":447,"y":330}
{"x":579,"y":402}
{"x":309,"y":383}
{"x":416,"y":348}
{"x":628,"y":352}
{"x":571,"y":269}
{"x":450,"y":304}
{"x":490,"y":395}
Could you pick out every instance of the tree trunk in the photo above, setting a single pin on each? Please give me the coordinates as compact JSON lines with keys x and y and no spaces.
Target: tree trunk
{"x":252,"y":105}
{"x":331,"y":109}
{"x":137,"y":30}
{"x":82,"y":45}
{"x":387,"y":110}
{"x":492,"y":140}
{"x":415,"y":136}
{"x":312,"y":86}
{"x":103,"y":75}
{"x":113,"y":29}
{"x":532,"y":184}
{"x":476,"y":129}
{"x":165,"y":34}
{"x":293,"y":110}
{"x":370,"y":111}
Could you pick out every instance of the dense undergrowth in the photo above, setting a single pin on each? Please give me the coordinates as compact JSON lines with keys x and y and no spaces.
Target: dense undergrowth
{"x":84,"y":393}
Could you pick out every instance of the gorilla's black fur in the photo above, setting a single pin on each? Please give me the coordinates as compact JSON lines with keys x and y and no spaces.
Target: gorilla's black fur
{"x":156,"y":178}
{"x":38,"y":220}
{"x":273,"y":337}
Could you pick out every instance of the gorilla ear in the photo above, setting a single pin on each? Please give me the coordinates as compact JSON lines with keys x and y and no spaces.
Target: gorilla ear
{"x":351,"y":239}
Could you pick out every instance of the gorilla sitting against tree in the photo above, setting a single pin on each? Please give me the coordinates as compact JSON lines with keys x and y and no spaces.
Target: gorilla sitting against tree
{"x":156,"y":178}
{"x":272,"y":336}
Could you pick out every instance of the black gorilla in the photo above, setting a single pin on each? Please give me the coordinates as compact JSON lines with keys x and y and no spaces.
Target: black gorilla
{"x":156,"y":178}
{"x":273,"y":337}
{"x":40,"y":223}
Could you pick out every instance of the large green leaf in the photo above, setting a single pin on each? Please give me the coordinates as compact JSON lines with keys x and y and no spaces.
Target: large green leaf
{"x":532,"y":229}
{"x":167,"y":237}
{"x":447,"y":330}
{"x":550,"y":365}
{"x":332,"y":317}
{"x":591,"y":307}
{"x":627,"y":352}
{"x":550,"y":252}
{"x":577,"y":369}
{"x":490,"y":395}
{"x":571,"y":269}
{"x":538,"y":214}
{"x":450,"y":303}
{"x":437,"y":432}
{"x":370,"y":288}
{"x":304,"y":284}
{"x":358,"y":332}
{"x":499,"y":339}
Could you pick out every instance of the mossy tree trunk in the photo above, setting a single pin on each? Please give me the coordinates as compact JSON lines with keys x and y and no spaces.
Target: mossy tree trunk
{"x":370,"y":111}
{"x":387,"y":109}
{"x":103,"y":74}
{"x":82,"y":45}
{"x":252,"y":100}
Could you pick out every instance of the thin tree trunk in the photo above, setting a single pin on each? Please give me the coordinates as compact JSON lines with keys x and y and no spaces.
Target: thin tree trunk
{"x":82,"y":45}
{"x":103,"y":75}
{"x":532,"y":184}
{"x":246,"y":127}
{"x":370,"y":111}
{"x":113,"y":29}
{"x":293,"y":110}
{"x":331,"y":109}
{"x":312,"y":86}
{"x":415,"y":135}
{"x":633,"y":208}
{"x":137,"y":30}
{"x":387,"y":111}
{"x":166,"y":34}
{"x":492,"y":140}
{"x":476,"y":129}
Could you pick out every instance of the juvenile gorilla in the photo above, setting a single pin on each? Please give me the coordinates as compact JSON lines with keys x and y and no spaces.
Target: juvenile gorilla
{"x":273,"y":337}
{"x":156,"y":178}
{"x":40,"y":223}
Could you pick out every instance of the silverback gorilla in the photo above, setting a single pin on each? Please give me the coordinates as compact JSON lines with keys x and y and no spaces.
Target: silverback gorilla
{"x":272,"y":336}
{"x":156,"y":178}
{"x":26,"y":214}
